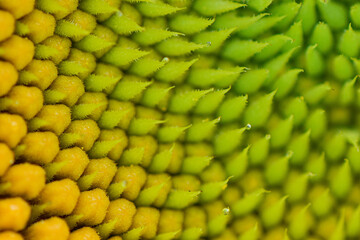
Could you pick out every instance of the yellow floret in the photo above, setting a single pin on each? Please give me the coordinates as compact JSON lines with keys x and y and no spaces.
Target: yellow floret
{"x":62,"y":7}
{"x":54,"y":118}
{"x":84,"y":60}
{"x":171,"y":221}
{"x":214,"y":208}
{"x":60,"y":197}
{"x":103,"y":16}
{"x":149,"y":113}
{"x":8,"y":77}
{"x":226,"y":235}
{"x":85,"y":233}
{"x":18,"y":8}
{"x":40,"y":147}
{"x":18,"y":178}
{"x":217,"y":217}
{"x":122,"y":211}
{"x":87,"y":131}
{"x":127,"y":107}
{"x":107,"y":35}
{"x":70,"y":89}
{"x":39,"y":24}
{"x":72,"y":161}
{"x":108,"y":71}
{"x":25,"y":101}
{"x":12,"y":129}
{"x":131,"y":12}
{"x":275,"y":234}
{"x":61,"y":46}
{"x":7,"y":25}
{"x":115,"y":238}
{"x":8,"y":235}
{"x":186,"y":182}
{"x":231,"y":195}
{"x":7,"y":158}
{"x":213,"y":173}
{"x":199,"y":149}
{"x":156,"y":179}
{"x":148,"y":218}
{"x":244,"y":224}
{"x":15,"y":213}
{"x":178,"y":154}
{"x":326,"y":227}
{"x":195,"y":217}
{"x":99,"y":99}
{"x":39,"y":74}
{"x":83,"y":20}
{"x":50,"y":229}
{"x":148,"y":143}
{"x":252,"y":181}
{"x":19,"y":51}
{"x":102,"y":170}
{"x":91,"y":207}
{"x":115,"y":134}
{"x":134,"y":177}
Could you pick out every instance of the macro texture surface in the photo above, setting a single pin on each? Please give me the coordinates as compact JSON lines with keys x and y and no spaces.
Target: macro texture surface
{"x":179,"y":119}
